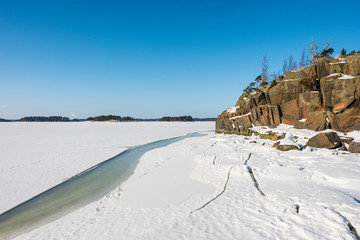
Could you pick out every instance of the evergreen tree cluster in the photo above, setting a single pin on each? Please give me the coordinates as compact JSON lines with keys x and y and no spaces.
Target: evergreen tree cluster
{"x":45,"y":119}
{"x":104,"y":118}
{"x":177,"y":119}
{"x":353,"y":52}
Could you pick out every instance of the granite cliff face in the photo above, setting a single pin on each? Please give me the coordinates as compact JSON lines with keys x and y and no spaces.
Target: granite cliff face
{"x":335,"y":103}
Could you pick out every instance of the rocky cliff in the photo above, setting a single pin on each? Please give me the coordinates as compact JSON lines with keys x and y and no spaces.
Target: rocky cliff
{"x":292,"y":100}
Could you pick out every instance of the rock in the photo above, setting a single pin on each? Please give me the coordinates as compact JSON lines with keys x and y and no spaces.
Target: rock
{"x":328,"y":140}
{"x":276,"y":144}
{"x":285,"y":91}
{"x":309,"y":102}
{"x":323,"y":65}
{"x":289,"y":119}
{"x":354,"y":147}
{"x":338,"y":93}
{"x":271,"y":135}
{"x":253,"y":141}
{"x":348,"y":120}
{"x":316,"y":121}
{"x":288,"y":143}
{"x":347,"y":140}
{"x":309,"y":71}
{"x":335,"y":105}
{"x":295,"y":74}
{"x":257,"y":99}
{"x":287,"y":147}
{"x":339,"y":108}
{"x":352,"y":65}
{"x":343,"y":148}
{"x":290,"y":108}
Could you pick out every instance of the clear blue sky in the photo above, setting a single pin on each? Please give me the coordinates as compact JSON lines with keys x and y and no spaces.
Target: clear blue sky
{"x":153,"y":58}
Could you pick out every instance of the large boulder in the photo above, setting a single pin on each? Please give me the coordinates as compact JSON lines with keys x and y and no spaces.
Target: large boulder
{"x":354,"y":147}
{"x":287,"y":147}
{"x":290,"y":108}
{"x":285,"y":91}
{"x":287,"y":143}
{"x":339,"y":91}
{"x":300,"y":74}
{"x":328,"y":140}
{"x":289,"y":119}
{"x":348,"y":120}
{"x":316,"y":121}
{"x":257,"y":99}
{"x":308,"y":102}
{"x":323,"y":65}
{"x":352,"y":65}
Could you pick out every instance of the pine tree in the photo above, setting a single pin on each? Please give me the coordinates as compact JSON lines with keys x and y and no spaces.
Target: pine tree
{"x":258,"y":81}
{"x":343,"y":52}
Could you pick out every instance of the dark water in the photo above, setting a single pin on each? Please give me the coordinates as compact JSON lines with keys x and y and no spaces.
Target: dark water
{"x":78,"y":191}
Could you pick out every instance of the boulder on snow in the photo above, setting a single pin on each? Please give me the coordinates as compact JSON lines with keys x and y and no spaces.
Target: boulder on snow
{"x":276,"y":144}
{"x":328,"y":140}
{"x":354,"y":147}
{"x":287,"y":143}
{"x":287,"y":147}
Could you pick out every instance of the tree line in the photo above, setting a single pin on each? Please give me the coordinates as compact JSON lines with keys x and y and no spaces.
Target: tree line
{"x":178,"y":119}
{"x":45,"y":119}
{"x":103,"y":118}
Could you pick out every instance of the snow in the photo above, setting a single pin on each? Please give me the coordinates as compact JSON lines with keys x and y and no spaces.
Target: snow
{"x":160,"y":200}
{"x":37,"y":156}
{"x":244,"y":115}
{"x":334,"y":75}
{"x":289,"y":140}
{"x":302,"y":120}
{"x":344,"y":76}
{"x":232,"y":109}
{"x":337,"y":62}
{"x":290,"y":80}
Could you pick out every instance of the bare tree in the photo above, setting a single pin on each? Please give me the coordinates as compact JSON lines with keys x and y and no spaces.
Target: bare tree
{"x":303,"y":59}
{"x":285,"y":67}
{"x":290,"y":67}
{"x":264,"y":71}
{"x":315,"y":51}
{"x":292,"y":64}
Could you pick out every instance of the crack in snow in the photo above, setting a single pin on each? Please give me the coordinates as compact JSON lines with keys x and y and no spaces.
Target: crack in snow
{"x":349,"y":225}
{"x":207,"y":203}
{"x":245,"y":163}
{"x":250,"y":171}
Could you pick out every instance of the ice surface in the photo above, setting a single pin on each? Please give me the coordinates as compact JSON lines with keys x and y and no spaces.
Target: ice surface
{"x":37,"y":156}
{"x":305,"y":191}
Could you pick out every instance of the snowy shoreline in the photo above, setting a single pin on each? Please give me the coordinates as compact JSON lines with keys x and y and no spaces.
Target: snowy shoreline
{"x":307,"y":194}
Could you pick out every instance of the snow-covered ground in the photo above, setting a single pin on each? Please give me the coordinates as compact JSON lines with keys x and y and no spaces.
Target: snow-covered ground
{"x":37,"y":156}
{"x":216,"y":187}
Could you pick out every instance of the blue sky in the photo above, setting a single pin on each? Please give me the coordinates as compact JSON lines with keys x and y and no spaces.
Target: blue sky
{"x":153,"y":58}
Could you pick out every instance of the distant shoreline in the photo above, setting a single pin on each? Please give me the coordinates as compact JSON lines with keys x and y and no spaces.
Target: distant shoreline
{"x":64,"y":119}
